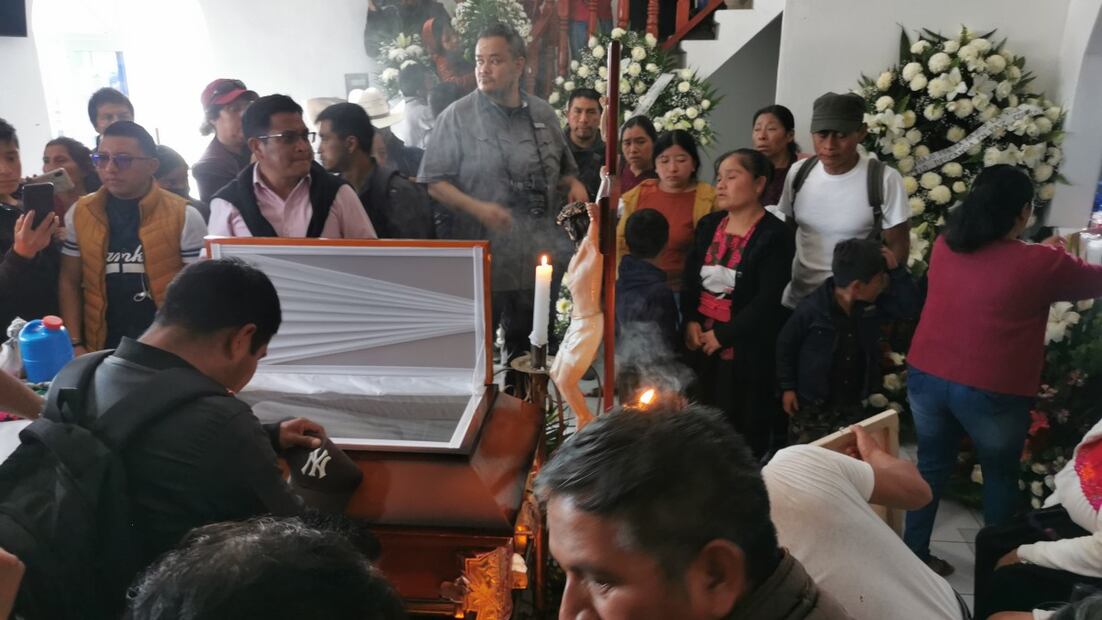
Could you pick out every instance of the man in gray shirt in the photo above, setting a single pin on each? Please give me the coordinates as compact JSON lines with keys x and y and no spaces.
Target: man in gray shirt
{"x":498,"y":161}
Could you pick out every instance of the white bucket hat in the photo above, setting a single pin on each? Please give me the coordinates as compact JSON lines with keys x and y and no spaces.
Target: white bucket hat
{"x":374,"y":102}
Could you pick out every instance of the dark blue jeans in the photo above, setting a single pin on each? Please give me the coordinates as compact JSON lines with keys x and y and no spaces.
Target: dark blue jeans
{"x":998,"y":425}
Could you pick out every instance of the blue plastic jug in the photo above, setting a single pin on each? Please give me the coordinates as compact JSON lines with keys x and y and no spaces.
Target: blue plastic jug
{"x":45,"y":347}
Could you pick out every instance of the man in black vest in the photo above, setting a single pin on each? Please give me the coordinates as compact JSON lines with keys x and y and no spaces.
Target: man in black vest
{"x":397,"y":207}
{"x":285,"y":194}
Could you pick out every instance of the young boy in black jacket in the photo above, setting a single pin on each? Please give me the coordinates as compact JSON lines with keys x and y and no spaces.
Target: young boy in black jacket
{"x":646,"y":313}
{"x":828,"y":354}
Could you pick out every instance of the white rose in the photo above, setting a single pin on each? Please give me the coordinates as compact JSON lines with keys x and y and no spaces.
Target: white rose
{"x":982,"y":45}
{"x":1035,"y":503}
{"x":989,"y":113}
{"x":692,"y":112}
{"x":918,"y":83}
{"x":917,"y":205}
{"x":686,"y":74}
{"x":981,"y":101}
{"x":884,"y":82}
{"x":705,"y":141}
{"x":920,"y":47}
{"x":574,"y":65}
{"x":1053,"y":113}
{"x":602,"y":72}
{"x":600,"y":86}
{"x":952,"y":170}
{"x":921,"y":151}
{"x":617,"y":33}
{"x":911,"y":70}
{"x":937,"y":88}
{"x":991,"y":156}
{"x":951,"y":46}
{"x":910,"y":185}
{"x":1014,"y":73}
{"x":939,"y":63}
{"x":975,"y":149}
{"x":408,"y":63}
{"x":559,"y":80}
{"x":658,"y":124}
{"x":634,"y":69}
{"x":1003,"y":90}
{"x":941,"y":195}
{"x":415,"y":50}
{"x":884,"y":103}
{"x":699,"y":124}
{"x":1085,"y":304}
{"x":684,"y":125}
{"x":962,"y":107}
{"x":625,"y":86}
{"x":599,"y":52}
{"x":705,"y":104}
{"x":553,"y":99}
{"x":592,"y":43}
{"x":684,"y":87}
{"x":955,"y":134}
{"x":652,"y":68}
{"x":650,"y":40}
{"x":900,"y":149}
{"x":959,"y":187}
{"x":1037,"y":488}
{"x":933,"y":112}
{"x":1042,"y":173}
{"x":583,"y":71}
{"x":892,"y":382}
{"x":640,"y":88}
{"x":1012,"y":101}
{"x":996,"y":64}
{"x":569,"y":86}
{"x":1055,"y":155}
{"x":930,"y":180}
{"x":1043,"y":125}
{"x":563,"y":307}
{"x":878,"y":400}
{"x":914,"y":136}
{"x":906,"y":164}
{"x":909,"y":119}
{"x":638,"y":53}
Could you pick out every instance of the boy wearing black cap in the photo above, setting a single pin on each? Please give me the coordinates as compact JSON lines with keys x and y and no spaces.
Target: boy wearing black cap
{"x":840,"y":194}
{"x":828,"y":353}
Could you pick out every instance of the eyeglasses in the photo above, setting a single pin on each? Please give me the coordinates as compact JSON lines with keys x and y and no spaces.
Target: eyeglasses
{"x":122,"y":160}
{"x":290,"y":138}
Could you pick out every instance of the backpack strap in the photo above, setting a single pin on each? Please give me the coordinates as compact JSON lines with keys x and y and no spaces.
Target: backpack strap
{"x":801,"y":176}
{"x":161,"y":395}
{"x":875,"y":182}
{"x":65,"y":400}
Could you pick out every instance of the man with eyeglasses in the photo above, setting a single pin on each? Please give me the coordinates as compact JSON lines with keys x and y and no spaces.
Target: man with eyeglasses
{"x":123,"y":244}
{"x":224,"y":101}
{"x":498,"y":160}
{"x":285,"y":193}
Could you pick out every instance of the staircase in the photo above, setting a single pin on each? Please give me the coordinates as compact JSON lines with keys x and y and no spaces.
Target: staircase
{"x":734,"y":29}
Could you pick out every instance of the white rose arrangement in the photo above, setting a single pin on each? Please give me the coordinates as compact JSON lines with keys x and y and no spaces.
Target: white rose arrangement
{"x":472,"y":16}
{"x":397,"y":54}
{"x":941,"y":91}
{"x":686,"y":103}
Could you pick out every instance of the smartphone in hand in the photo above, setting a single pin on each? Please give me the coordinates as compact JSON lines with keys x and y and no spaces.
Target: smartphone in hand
{"x":39,"y":199}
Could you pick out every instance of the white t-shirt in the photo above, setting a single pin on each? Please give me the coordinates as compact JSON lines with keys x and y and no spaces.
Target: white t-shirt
{"x":819,"y":505}
{"x":832,"y":208}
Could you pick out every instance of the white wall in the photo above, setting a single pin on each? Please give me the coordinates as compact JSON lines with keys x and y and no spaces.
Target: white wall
{"x":827,"y":44}
{"x":23,"y":103}
{"x":1080,"y":88}
{"x":747,"y":82}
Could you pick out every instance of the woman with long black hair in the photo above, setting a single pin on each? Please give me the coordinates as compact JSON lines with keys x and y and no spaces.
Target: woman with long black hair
{"x":976,"y":358}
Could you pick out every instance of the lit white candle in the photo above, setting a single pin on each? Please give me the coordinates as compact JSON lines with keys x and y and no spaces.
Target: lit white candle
{"x":542,"y":308}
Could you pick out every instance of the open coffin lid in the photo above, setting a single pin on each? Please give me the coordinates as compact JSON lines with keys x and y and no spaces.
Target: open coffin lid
{"x":385,"y":343}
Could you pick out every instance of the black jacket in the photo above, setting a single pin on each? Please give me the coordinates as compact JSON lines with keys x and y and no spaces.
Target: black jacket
{"x":397,"y":207}
{"x":241,"y":194}
{"x":805,"y":348}
{"x":756,"y":310}
{"x":643,"y":297}
{"x":211,"y":461}
{"x":28,"y":288}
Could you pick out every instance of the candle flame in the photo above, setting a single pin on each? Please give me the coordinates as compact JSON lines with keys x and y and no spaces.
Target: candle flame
{"x":543,"y":260}
{"x":647,"y":397}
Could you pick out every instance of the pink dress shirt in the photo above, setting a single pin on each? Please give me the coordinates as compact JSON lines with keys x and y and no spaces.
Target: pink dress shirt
{"x":291,"y":217}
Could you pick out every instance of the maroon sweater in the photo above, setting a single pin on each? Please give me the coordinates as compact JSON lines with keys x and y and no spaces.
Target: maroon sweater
{"x":983,"y":324}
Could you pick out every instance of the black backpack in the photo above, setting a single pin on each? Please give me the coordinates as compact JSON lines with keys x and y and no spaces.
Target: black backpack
{"x":64,"y":506}
{"x":875,"y":185}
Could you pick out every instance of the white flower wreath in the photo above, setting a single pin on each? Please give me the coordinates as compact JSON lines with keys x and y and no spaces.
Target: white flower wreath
{"x":948,"y":109}
{"x":397,"y":54}
{"x":685,"y":103}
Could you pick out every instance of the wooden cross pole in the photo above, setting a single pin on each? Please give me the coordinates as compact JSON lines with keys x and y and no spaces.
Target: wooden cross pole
{"x":608,"y":224}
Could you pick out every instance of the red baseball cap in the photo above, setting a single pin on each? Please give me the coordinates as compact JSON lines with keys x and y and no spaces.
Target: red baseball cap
{"x":223,"y":91}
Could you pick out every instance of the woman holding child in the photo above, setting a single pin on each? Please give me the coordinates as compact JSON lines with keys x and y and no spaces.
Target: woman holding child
{"x":677,"y":195}
{"x":736,"y":269}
